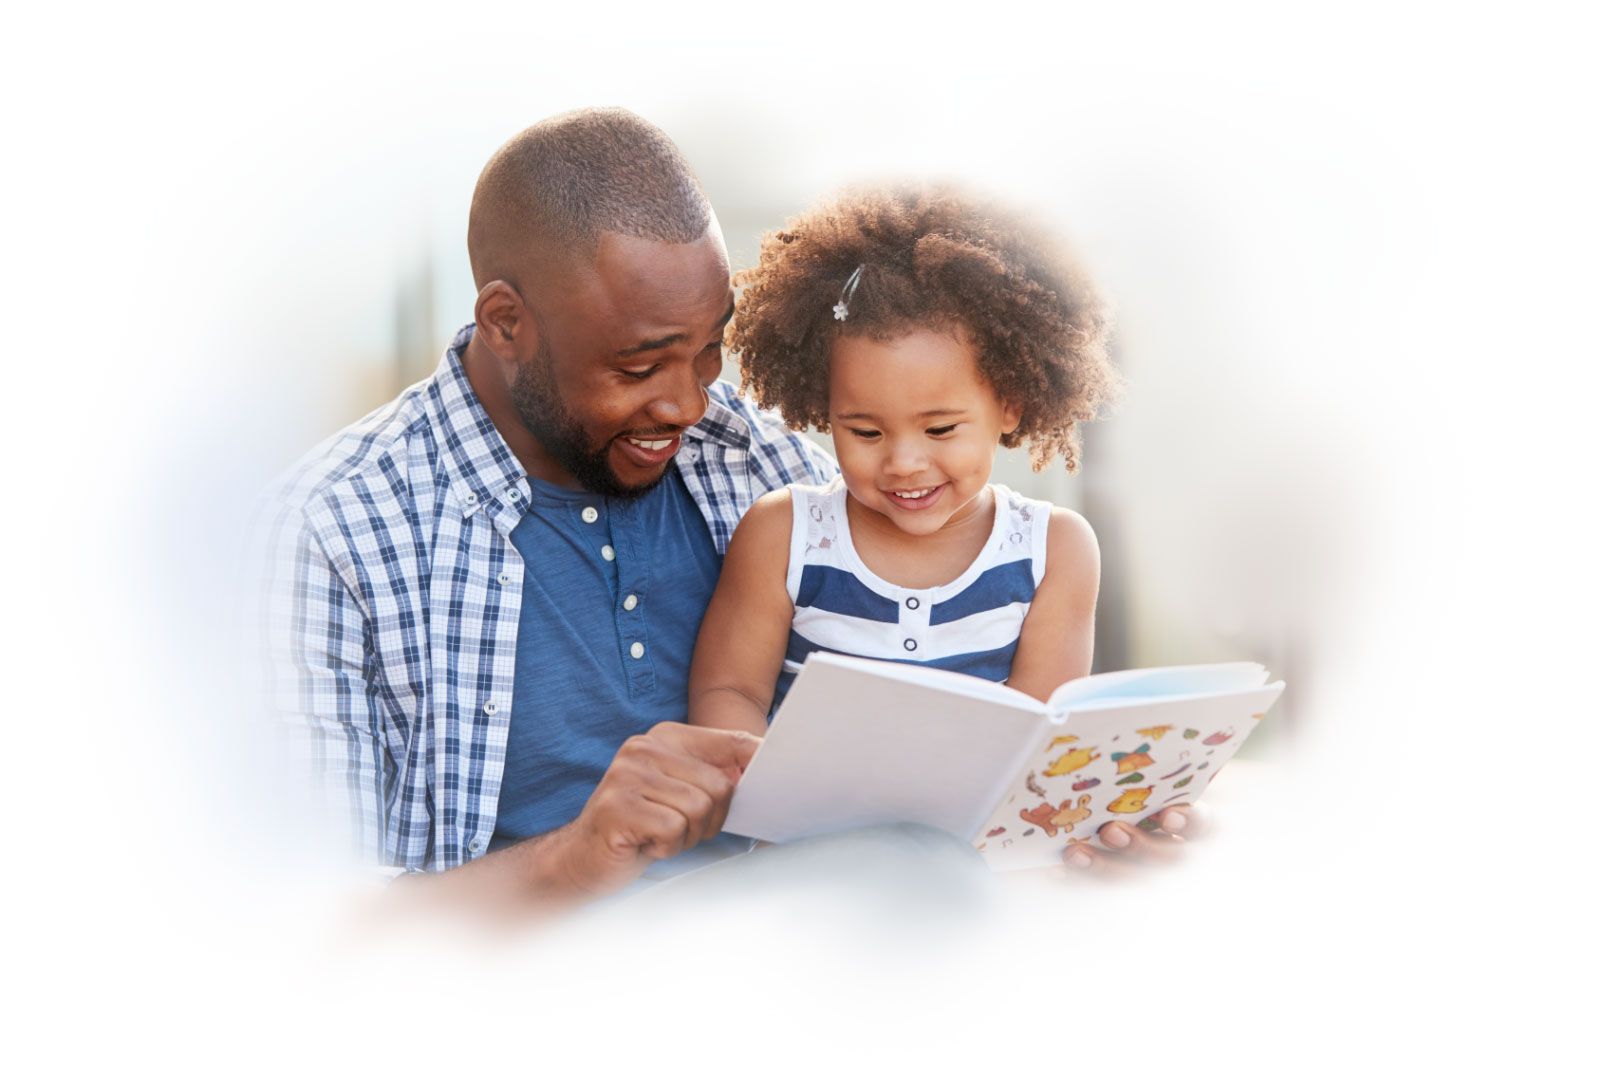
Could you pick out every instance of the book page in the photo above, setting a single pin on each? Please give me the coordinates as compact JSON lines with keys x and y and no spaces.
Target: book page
{"x":1126,"y":759}
{"x":1188,"y":681}
{"x":861,"y":743}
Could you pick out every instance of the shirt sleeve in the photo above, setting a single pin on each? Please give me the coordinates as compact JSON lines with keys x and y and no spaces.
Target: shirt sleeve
{"x":317,"y":645}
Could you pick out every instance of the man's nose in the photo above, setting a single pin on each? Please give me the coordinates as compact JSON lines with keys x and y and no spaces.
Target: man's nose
{"x":682,"y":403}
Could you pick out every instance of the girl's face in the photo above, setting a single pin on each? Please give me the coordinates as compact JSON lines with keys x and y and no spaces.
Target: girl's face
{"x":915,"y":426}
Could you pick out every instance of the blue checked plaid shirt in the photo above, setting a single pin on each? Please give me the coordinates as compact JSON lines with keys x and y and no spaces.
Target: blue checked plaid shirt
{"x":392,"y":599}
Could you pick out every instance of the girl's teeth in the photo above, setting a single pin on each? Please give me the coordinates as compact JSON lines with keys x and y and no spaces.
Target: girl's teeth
{"x":913,"y":496}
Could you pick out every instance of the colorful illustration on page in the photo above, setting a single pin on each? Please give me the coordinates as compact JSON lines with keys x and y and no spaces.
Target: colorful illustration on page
{"x":1140,"y":758}
{"x":1131,"y":800}
{"x":1052,"y":819}
{"x":1072,"y":761}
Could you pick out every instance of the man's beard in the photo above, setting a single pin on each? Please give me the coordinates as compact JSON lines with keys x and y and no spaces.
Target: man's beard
{"x":540,"y":407}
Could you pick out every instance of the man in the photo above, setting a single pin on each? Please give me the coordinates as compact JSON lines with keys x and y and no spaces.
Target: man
{"x":486,"y":594}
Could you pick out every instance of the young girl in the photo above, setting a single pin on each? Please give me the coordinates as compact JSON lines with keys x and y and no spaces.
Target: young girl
{"x":921,"y":330}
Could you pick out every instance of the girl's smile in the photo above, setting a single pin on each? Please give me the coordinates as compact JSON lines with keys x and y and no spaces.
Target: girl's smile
{"x":917,"y":500}
{"x":915,"y":427}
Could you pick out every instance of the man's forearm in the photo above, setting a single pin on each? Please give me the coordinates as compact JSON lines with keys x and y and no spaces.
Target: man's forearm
{"x":536,"y":876}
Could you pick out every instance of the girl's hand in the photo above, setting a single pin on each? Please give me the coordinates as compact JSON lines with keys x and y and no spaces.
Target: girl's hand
{"x":1127,"y":848}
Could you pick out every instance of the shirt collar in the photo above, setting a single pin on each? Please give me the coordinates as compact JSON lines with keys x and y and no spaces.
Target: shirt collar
{"x":721,"y":424}
{"x":483,"y":473}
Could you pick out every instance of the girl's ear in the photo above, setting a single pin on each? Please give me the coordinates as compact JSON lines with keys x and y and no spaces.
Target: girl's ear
{"x":1011,"y":416}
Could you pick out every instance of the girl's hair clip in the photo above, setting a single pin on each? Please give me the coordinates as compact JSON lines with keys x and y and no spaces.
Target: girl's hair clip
{"x":843,"y":308}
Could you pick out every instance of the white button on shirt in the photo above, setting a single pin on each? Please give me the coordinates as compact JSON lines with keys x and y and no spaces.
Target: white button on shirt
{"x":636,"y":650}
{"x":608,"y":553}
{"x":589,"y":515}
{"x":629,"y":602}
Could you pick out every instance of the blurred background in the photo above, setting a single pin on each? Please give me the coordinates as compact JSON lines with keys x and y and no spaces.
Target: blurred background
{"x":1222,"y":512}
{"x":1353,"y":253}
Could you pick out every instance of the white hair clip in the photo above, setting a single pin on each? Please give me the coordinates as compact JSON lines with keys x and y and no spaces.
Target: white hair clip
{"x":843,"y":309}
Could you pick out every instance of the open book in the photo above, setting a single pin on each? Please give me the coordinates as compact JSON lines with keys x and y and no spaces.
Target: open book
{"x":863,"y":742}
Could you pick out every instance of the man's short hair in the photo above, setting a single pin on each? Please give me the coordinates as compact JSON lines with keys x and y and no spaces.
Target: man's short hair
{"x":552,"y":190}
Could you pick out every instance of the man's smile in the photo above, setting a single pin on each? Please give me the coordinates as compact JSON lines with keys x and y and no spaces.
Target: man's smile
{"x":652,"y":451}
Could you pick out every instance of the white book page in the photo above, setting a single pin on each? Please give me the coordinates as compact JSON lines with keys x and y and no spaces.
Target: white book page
{"x":1187,"y":681}
{"x":859,"y":743}
{"x":933,"y":678}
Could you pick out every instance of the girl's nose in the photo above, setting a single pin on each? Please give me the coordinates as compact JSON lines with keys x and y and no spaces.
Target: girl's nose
{"x":905,"y":460}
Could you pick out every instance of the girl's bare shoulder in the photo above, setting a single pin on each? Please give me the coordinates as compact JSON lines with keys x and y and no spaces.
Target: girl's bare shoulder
{"x":1072,"y":552}
{"x":766,"y":523}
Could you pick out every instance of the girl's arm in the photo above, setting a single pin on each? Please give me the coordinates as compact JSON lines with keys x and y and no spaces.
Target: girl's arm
{"x":741,"y":646}
{"x":1059,"y":631}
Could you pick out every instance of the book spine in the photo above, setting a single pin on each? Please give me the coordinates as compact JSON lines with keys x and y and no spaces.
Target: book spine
{"x":1013,"y":779}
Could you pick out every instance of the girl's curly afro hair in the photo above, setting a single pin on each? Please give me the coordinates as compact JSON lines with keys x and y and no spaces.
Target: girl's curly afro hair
{"x":930,"y":258}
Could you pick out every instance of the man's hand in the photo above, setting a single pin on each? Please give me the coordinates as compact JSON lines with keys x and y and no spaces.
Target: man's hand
{"x":666,"y":790}
{"x":1129,"y":846}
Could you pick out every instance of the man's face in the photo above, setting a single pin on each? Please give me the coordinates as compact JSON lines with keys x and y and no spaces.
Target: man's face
{"x":626,"y":349}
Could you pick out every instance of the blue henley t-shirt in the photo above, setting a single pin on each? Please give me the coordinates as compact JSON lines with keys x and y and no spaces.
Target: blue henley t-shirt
{"x":613,"y":595}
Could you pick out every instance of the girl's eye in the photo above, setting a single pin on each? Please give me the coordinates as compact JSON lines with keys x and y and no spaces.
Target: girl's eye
{"x":865,"y":435}
{"x":941,"y":431}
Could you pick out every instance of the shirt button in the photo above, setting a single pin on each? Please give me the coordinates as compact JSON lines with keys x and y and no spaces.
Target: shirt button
{"x":909,"y":645}
{"x":490,"y":708}
{"x":503,"y":578}
{"x":589,"y":515}
{"x":636,"y":650}
{"x":471,"y":498}
{"x":912,"y":602}
{"x":608,"y":553}
{"x":629,"y":602}
{"x":476,"y":846}
{"x":513,"y":495}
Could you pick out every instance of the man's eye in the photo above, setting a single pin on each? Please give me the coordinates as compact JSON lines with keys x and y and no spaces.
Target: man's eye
{"x":639,"y":375}
{"x":865,"y":435}
{"x":942,"y":431}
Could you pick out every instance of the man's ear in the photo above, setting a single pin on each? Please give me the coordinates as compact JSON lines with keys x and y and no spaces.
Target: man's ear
{"x":504,"y":321}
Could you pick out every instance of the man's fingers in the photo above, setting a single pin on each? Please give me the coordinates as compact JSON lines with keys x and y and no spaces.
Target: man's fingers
{"x":698,"y":806}
{"x":1086,"y":861}
{"x":1127,"y":848}
{"x":1189,"y":821}
{"x":654,"y":768}
{"x":645,"y":756}
{"x":659,"y":831}
{"x":1079,"y":855}
{"x":729,"y":750}
{"x":1127,"y":840}
{"x":670,"y":788}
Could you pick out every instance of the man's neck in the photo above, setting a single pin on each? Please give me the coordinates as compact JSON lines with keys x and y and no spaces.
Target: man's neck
{"x":484,"y":375}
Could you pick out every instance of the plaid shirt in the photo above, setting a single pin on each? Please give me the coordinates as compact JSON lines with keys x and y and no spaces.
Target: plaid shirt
{"x":392,"y":597}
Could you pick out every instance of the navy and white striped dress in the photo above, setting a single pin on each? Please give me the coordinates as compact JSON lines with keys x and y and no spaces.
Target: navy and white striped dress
{"x":969,"y":625}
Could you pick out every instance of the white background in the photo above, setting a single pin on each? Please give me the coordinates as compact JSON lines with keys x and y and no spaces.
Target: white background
{"x":1355,"y":256}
